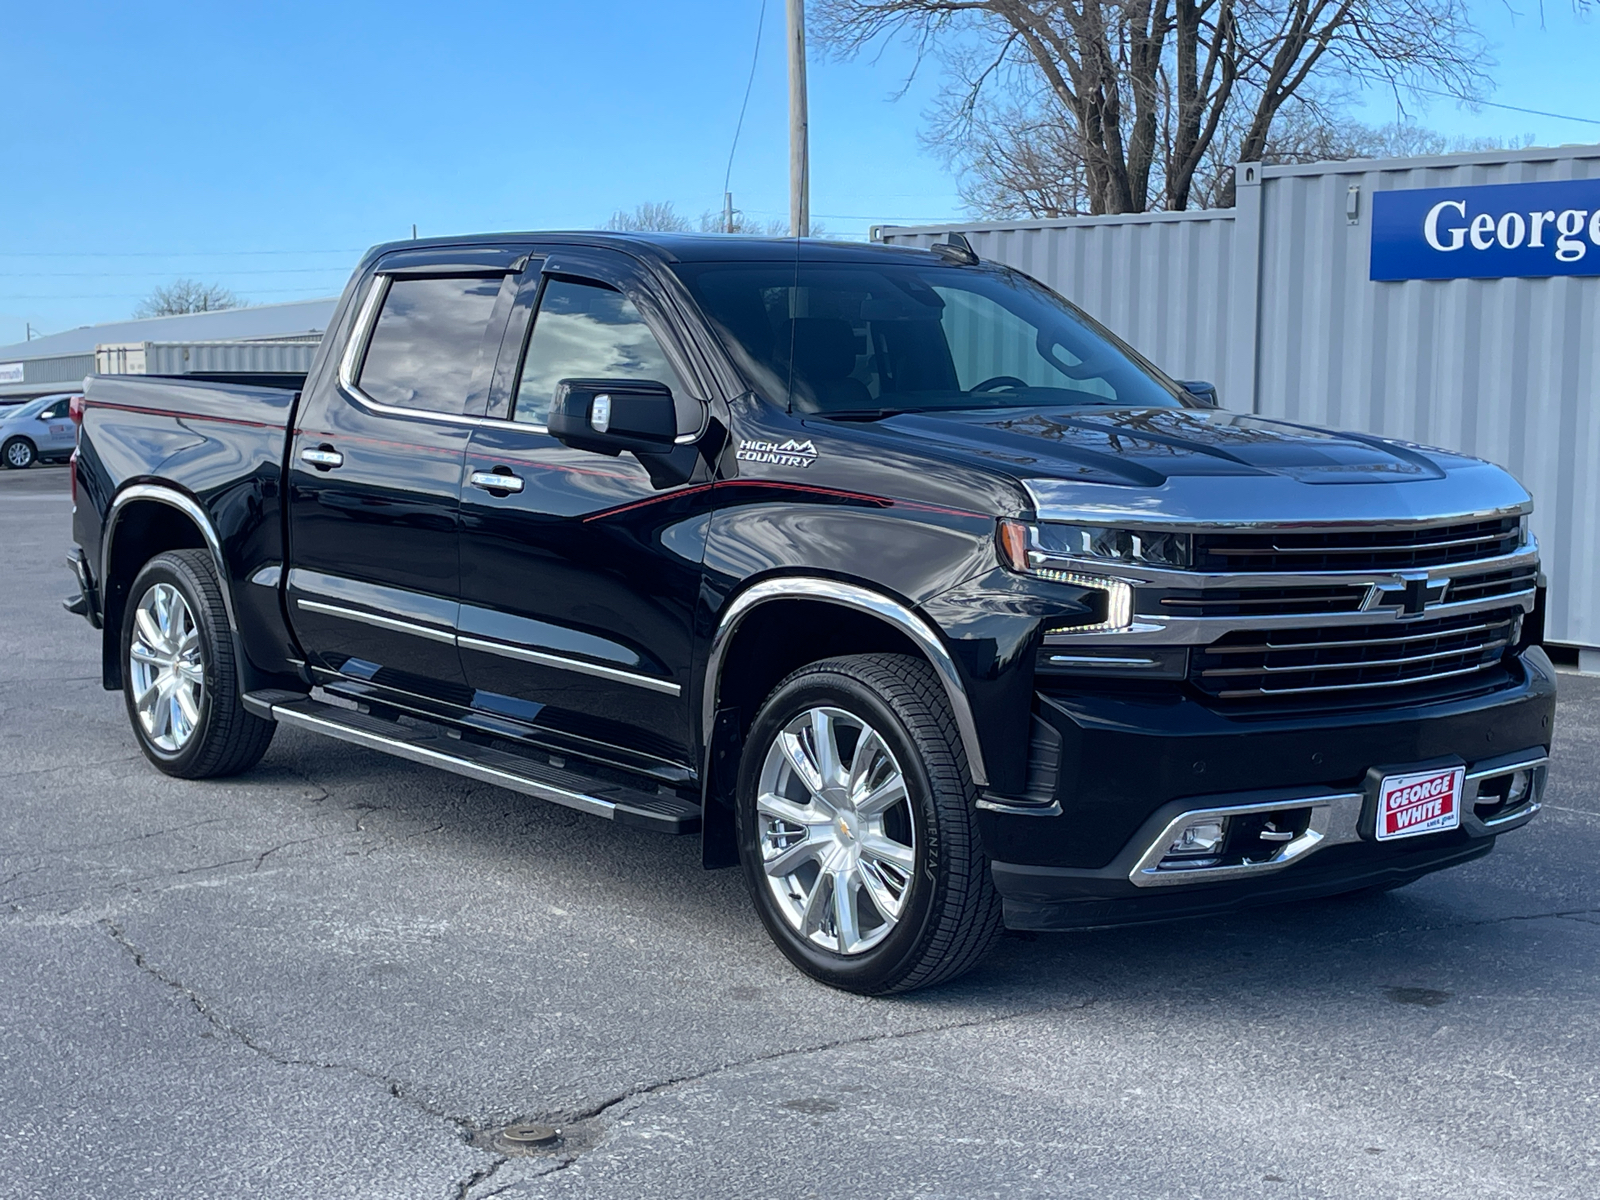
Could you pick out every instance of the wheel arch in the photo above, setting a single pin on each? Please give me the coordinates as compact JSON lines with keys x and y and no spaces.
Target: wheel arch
{"x":144,"y":520}
{"x":813,"y":618}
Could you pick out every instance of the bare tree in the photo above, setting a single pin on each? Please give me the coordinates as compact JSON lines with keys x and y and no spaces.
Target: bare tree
{"x":183,"y":296}
{"x":659,"y":216}
{"x":1134,"y":94}
{"x":653,"y":216}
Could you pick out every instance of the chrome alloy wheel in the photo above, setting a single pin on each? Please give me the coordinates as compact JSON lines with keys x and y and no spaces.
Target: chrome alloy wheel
{"x":167,"y":668}
{"x":835,"y":830}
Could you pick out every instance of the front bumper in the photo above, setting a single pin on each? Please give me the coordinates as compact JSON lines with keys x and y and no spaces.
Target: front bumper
{"x":1131,"y":767}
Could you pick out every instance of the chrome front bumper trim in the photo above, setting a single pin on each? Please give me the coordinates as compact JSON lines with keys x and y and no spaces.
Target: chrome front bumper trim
{"x":1336,"y":819}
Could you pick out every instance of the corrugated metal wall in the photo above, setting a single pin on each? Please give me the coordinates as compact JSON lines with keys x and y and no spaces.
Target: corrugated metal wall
{"x":62,"y":368}
{"x":1505,"y":369}
{"x":1164,"y":282}
{"x":1271,"y":301}
{"x":278,"y":357}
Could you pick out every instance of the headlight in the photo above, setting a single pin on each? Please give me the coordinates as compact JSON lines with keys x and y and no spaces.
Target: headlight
{"x":1022,"y":549}
{"x":1028,"y":547}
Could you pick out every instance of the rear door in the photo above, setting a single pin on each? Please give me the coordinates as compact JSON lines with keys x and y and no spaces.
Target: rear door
{"x":580,"y":571}
{"x":375,"y":474}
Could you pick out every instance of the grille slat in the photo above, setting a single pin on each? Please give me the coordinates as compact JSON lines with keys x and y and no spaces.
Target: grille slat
{"x":1339,"y":664}
{"x":1336,"y":687}
{"x":1356,"y":550}
{"x":1261,"y":648}
{"x":1310,"y":669}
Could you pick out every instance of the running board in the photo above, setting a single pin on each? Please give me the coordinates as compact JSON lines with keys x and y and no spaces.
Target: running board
{"x":615,"y":802}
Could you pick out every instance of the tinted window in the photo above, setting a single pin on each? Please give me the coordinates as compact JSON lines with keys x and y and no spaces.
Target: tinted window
{"x":55,"y":411}
{"x":905,"y":336}
{"x":428,"y":343}
{"x":586,"y":331}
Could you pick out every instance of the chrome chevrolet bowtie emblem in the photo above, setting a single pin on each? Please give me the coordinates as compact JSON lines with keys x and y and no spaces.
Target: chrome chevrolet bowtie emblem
{"x":1411,"y":592}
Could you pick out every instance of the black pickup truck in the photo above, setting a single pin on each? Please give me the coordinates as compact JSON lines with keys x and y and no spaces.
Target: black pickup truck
{"x":888,"y":572}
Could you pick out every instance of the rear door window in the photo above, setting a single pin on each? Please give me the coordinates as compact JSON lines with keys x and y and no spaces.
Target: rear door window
{"x":428,"y":347}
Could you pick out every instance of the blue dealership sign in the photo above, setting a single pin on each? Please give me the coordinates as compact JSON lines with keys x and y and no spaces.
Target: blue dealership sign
{"x":1493,"y":231}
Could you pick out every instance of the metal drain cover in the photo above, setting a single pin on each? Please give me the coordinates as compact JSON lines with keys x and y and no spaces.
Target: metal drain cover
{"x":526,"y":1136}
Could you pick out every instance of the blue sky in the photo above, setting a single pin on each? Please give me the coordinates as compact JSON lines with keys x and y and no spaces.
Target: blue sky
{"x":263,"y":146}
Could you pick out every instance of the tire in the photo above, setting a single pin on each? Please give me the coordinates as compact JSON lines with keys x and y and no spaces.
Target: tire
{"x":192,"y":724}
{"x":18,"y":453}
{"x":920,"y":905}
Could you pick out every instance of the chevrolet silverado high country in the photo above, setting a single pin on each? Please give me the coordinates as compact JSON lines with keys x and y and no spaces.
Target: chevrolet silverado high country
{"x":900,"y":581}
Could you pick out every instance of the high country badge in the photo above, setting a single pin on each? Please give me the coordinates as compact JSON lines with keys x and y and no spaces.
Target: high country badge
{"x":778,"y":454}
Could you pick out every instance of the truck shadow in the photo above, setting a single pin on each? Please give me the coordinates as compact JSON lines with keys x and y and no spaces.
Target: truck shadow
{"x":1525,"y":919}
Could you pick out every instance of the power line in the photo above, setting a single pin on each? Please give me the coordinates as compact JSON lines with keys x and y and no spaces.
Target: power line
{"x":755,"y":57}
{"x":308,"y":293}
{"x":163,"y":253}
{"x":1532,"y":112}
{"x":153,"y":274}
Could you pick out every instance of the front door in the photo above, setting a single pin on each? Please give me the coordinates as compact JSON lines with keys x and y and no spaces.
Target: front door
{"x":580,"y":571}
{"x":375,"y":476}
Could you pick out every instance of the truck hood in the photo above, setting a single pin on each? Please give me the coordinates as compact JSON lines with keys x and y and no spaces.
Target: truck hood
{"x":1210,"y":466}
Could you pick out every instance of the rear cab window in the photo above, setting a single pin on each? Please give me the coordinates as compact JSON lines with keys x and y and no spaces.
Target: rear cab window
{"x":427,"y":347}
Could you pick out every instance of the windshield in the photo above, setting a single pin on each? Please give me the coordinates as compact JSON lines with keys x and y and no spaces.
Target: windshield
{"x":864,"y":339}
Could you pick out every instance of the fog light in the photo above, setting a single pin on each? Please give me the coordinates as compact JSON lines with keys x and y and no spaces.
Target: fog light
{"x":1203,"y":837}
{"x":1517,"y":789}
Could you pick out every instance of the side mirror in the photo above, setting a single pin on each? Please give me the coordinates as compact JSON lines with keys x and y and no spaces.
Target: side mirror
{"x":1202,"y":391}
{"x":612,"y":415}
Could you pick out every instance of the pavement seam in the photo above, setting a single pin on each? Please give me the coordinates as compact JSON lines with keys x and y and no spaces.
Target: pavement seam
{"x":481,"y":1175}
{"x":822,"y":1047}
{"x":464,"y":1126}
{"x":138,"y":837}
{"x":110,"y":762}
{"x":1573,"y":913}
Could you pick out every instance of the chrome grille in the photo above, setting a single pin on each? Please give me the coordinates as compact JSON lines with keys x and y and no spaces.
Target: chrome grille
{"x":1358,"y":549}
{"x":1260,"y":602}
{"x":1487,"y":585}
{"x":1343,"y":664}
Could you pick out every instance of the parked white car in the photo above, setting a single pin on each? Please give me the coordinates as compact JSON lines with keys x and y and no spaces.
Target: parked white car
{"x":42,"y":429}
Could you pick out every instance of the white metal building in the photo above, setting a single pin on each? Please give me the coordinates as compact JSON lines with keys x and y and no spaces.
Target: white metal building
{"x":268,"y":339}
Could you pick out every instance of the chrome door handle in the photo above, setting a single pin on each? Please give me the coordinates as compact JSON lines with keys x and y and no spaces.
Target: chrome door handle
{"x":323,"y":458}
{"x":495,"y":481}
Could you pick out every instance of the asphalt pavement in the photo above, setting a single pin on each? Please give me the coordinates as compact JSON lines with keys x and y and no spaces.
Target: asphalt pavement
{"x":340,"y":974}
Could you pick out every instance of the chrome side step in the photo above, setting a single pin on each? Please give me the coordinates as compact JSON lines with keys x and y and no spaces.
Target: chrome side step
{"x":616,"y":802}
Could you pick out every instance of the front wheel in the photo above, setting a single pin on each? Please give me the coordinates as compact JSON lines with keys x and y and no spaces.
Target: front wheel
{"x":18,"y":453}
{"x":857,"y":830}
{"x":180,"y":680}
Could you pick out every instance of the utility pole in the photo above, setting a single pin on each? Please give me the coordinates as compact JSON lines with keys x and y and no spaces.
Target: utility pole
{"x":799,"y":144}
{"x":727,"y":212}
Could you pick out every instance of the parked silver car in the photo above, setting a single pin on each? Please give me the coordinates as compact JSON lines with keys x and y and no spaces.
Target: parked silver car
{"x":39,"y":429}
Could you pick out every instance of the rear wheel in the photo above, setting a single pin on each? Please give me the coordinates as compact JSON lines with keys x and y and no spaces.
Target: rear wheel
{"x":857,"y":830}
{"x":18,"y":453}
{"x":180,"y":680}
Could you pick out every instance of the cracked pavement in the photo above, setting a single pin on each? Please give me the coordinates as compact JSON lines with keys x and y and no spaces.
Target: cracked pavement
{"x":336,"y":975}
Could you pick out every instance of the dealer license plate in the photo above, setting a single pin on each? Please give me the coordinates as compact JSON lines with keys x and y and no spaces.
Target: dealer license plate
{"x":1419,"y":802}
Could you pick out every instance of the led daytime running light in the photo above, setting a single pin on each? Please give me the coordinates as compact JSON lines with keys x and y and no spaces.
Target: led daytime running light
{"x":1119,"y":597}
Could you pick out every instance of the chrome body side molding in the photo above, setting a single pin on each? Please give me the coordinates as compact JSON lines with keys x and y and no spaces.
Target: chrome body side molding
{"x":504,"y":649}
{"x":545,"y":659}
{"x":184,"y":504}
{"x":917,"y":628}
{"x":380,"y":622}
